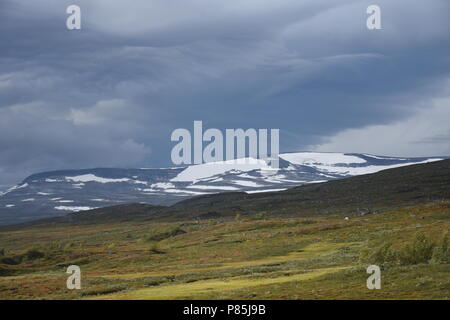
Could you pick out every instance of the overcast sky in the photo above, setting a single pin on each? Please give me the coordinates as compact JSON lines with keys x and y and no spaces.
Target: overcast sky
{"x":110,"y":95}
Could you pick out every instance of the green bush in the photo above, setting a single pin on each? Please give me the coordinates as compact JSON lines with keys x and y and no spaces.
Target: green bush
{"x":2,"y":252}
{"x":103,"y":290}
{"x":308,"y":221}
{"x":34,"y":254}
{"x":441,"y":253}
{"x":5,"y":271}
{"x":154,"y":248}
{"x":10,"y":260}
{"x":69,"y":246}
{"x":419,"y":251}
{"x":164,"y":235}
{"x":382,"y":255}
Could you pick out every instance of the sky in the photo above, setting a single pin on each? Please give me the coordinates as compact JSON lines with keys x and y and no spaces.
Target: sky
{"x":110,"y":94}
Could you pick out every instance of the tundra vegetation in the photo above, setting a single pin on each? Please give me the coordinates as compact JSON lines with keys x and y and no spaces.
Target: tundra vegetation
{"x":264,"y":256}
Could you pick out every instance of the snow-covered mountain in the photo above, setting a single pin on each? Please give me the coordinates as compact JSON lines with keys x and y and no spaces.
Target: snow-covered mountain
{"x":60,"y":192}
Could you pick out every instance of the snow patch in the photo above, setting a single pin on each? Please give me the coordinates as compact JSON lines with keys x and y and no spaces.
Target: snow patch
{"x":202,"y":187}
{"x":163,"y":185}
{"x":354,"y":171}
{"x":15,"y":188}
{"x":93,"y":178}
{"x":201,"y":171}
{"x":265,"y":190}
{"x":73,"y":209}
{"x":140,"y":182}
{"x":246,"y":183}
{"x":183,"y":191}
{"x":383,"y":158}
{"x":308,"y":158}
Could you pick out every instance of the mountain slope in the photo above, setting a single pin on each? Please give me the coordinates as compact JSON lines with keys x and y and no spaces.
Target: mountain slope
{"x":410,"y":185}
{"x":60,"y":192}
{"x":370,"y":193}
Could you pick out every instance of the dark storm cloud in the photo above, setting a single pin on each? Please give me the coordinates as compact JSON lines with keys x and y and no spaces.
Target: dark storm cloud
{"x":110,"y":94}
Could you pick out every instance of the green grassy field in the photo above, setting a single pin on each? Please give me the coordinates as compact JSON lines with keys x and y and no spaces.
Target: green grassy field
{"x":254,"y":257}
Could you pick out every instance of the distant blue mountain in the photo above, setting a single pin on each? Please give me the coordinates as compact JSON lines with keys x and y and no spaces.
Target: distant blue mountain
{"x":57,"y":193}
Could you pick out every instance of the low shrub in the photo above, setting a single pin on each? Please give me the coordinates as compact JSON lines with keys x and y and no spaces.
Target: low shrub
{"x":420,"y":250}
{"x":441,"y":253}
{"x":5,"y":271}
{"x":103,"y":290}
{"x":165,"y":235}
{"x":308,"y":221}
{"x":9,"y":260}
{"x":34,"y":254}
{"x":382,"y":255}
{"x":154,"y":248}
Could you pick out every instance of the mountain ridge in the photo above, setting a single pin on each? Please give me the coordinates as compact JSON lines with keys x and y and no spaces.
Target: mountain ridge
{"x":359,"y":195}
{"x":56,"y":193}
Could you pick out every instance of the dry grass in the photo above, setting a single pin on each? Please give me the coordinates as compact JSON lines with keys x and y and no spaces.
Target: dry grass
{"x":276,"y":258}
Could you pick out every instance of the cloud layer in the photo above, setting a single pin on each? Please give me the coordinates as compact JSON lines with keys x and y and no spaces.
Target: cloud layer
{"x":111,"y":94}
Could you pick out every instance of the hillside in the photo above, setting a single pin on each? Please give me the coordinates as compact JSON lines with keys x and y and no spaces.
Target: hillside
{"x":309,"y":242}
{"x":255,"y":257}
{"x":393,"y":187}
{"x":371,"y":193}
{"x":56,"y":193}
